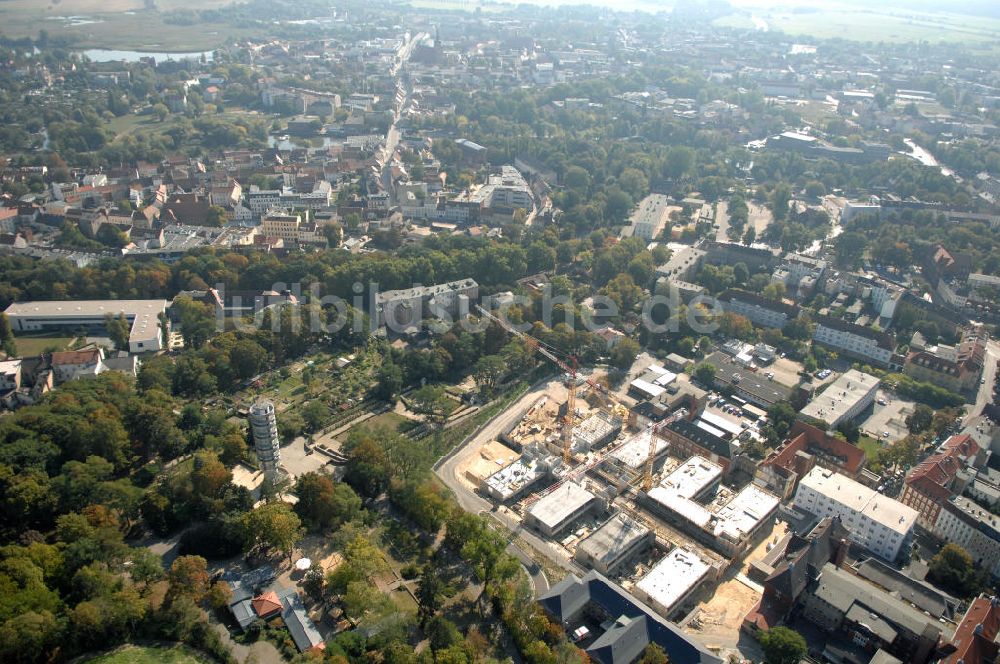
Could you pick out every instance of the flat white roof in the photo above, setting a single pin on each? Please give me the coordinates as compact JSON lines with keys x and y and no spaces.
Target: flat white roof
{"x":857,"y":497}
{"x":553,"y":509}
{"x":634,"y":452}
{"x":705,"y":426}
{"x":665,"y":378}
{"x":720,"y":422}
{"x":88,"y":308}
{"x":683,"y":507}
{"x":673,"y":577}
{"x":691,"y":477}
{"x":840,"y":396}
{"x":747,"y":509}
{"x":145,"y":314}
{"x":651,"y":389}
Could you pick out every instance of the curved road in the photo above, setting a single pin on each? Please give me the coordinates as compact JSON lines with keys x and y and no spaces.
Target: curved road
{"x":447,"y":471}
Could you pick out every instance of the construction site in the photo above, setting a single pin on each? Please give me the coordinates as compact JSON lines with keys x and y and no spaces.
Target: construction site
{"x":658,"y":507}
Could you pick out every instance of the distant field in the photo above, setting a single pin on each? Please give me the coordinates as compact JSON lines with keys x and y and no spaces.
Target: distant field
{"x":115,"y":24}
{"x":148,"y":655}
{"x":870,"y":26}
{"x":77,"y":7}
{"x":38,"y":345}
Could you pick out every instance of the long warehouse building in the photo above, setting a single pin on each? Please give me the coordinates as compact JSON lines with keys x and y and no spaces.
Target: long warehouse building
{"x":143,"y":317}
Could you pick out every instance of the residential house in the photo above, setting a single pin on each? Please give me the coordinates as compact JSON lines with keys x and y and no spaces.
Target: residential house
{"x":937,"y":478}
{"x":805,"y":448}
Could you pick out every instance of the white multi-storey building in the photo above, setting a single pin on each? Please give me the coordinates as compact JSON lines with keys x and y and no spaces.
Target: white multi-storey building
{"x":854,"y":340}
{"x":401,"y":309}
{"x":143,"y":317}
{"x":880,"y":524}
{"x":760,"y":311}
{"x":844,"y":399}
{"x":972,"y":527}
{"x":260,"y":201}
{"x":266,"y":444}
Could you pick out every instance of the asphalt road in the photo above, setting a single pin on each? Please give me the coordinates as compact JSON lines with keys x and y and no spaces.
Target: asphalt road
{"x":985,"y":394}
{"x":447,"y":471}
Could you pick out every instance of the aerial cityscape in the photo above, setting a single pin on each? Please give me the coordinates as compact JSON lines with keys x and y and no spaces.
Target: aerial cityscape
{"x":483,"y":332}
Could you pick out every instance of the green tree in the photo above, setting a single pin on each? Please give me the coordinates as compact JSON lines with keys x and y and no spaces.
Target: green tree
{"x":315,"y":413}
{"x":953,"y":568}
{"x":705,"y":373}
{"x":7,"y":343}
{"x":489,"y":371}
{"x":28,"y":636}
{"x":780,"y":198}
{"x":247,"y":358}
{"x":624,"y":353}
{"x":161,"y":112}
{"x":654,"y":654}
{"x":323,"y":503}
{"x":920,"y":419}
{"x":363,"y":598}
{"x":216,"y":216}
{"x":431,"y":401}
{"x":188,"y":576}
{"x":782,"y":645}
{"x":118,"y":330}
{"x":274,"y":525}
{"x":430,"y":594}
{"x":774,"y":291}
{"x":389,"y":381}
{"x":197,"y":321}
{"x":849,"y":248}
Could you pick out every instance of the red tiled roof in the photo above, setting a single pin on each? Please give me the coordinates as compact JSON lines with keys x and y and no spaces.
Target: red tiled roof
{"x":76,"y":356}
{"x":266,"y":604}
{"x":804,"y":437}
{"x":934,"y":475}
{"x":972,"y":647}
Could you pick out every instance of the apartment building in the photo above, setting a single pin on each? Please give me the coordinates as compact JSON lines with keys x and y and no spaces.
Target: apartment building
{"x":806,"y":448}
{"x":285,"y":226}
{"x":261,"y":201}
{"x":760,"y":311}
{"x":956,"y":368}
{"x":844,"y":399}
{"x":855,"y":341}
{"x":401,"y":309}
{"x":947,"y":472}
{"x":974,"y":528}
{"x":800,"y":274}
{"x":880,"y":524}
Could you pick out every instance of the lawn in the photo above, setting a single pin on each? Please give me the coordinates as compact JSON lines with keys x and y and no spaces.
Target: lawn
{"x":403,"y":601}
{"x":176,"y":654}
{"x":870,"y":446}
{"x":389,"y":420}
{"x":38,"y":345}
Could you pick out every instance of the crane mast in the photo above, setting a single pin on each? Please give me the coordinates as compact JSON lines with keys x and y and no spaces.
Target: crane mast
{"x":567,"y":421}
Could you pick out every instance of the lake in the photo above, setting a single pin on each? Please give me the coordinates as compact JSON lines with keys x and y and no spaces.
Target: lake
{"x":110,"y":55}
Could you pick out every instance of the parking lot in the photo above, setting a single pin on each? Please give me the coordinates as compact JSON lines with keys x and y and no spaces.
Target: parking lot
{"x":889,"y":418}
